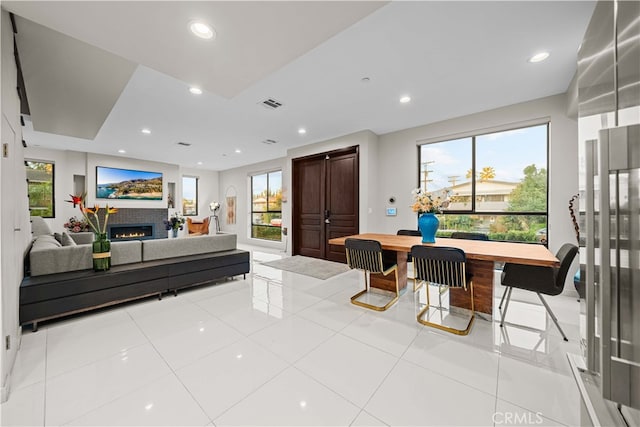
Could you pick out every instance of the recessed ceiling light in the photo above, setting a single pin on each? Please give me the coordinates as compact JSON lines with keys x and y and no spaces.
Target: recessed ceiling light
{"x":146,"y":131}
{"x":302,"y":131}
{"x":199,"y":163}
{"x":238,"y":150}
{"x":405,"y":99}
{"x":201,"y":30}
{"x":365,"y":80}
{"x":121,"y":151}
{"x":195,"y":90}
{"x":539,"y":57}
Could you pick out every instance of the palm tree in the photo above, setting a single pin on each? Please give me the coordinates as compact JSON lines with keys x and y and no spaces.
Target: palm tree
{"x":487,"y":173}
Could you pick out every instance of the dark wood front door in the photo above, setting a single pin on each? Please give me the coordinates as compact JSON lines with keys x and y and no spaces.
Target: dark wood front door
{"x":325,"y":202}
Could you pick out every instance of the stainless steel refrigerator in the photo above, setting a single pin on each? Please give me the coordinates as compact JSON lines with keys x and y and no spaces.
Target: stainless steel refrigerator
{"x":608,"y":374}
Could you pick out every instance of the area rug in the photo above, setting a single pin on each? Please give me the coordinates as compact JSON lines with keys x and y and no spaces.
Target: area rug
{"x":318,"y":268}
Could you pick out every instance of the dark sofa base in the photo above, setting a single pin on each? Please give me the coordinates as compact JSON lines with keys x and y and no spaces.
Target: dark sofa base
{"x":55,"y":295}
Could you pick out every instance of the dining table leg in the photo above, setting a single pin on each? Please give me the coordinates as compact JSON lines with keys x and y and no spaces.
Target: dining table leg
{"x":387,"y":282}
{"x":482,"y":288}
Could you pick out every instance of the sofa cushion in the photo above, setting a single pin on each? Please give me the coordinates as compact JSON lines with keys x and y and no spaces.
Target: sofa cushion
{"x":39,"y":227}
{"x":66,"y":240}
{"x":45,"y":241}
{"x":184,"y":246}
{"x":126,"y":252}
{"x":83,"y":237}
{"x":48,"y":258}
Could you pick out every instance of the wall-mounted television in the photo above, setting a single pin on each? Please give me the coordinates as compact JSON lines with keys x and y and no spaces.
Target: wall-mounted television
{"x":114,"y":183}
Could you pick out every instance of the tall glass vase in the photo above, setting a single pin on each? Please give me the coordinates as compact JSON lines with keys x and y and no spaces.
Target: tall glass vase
{"x":101,"y":253}
{"x":428,"y":224}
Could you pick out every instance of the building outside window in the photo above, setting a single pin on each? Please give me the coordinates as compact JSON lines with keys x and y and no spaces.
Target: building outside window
{"x":40,"y":188}
{"x":189,"y":195}
{"x":266,"y":206}
{"x":497,"y":183}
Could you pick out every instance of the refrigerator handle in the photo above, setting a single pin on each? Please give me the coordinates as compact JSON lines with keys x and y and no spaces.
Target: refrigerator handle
{"x":590,"y":279}
{"x":604,"y":315}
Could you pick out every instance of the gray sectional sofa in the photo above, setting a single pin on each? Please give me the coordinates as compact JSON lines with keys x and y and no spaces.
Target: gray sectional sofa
{"x":62,"y":281}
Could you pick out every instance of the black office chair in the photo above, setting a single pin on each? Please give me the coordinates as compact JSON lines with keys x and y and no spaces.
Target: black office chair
{"x":415,"y":233}
{"x":538,"y":279}
{"x":469,"y":236}
{"x":366,"y":255}
{"x":442,"y":266}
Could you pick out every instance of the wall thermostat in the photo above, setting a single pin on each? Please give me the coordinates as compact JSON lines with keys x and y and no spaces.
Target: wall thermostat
{"x":392,"y":211}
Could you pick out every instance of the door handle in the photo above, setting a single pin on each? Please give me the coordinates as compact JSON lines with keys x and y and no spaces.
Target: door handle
{"x":327,"y":221}
{"x":327,"y":213}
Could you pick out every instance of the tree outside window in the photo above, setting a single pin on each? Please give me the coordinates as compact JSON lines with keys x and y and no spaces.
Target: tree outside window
{"x":497,"y":183}
{"x":266,"y":206}
{"x":40,"y":188}
{"x":189,"y":196}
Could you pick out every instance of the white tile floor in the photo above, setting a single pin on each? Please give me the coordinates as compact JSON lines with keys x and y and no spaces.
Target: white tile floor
{"x":281,"y":348}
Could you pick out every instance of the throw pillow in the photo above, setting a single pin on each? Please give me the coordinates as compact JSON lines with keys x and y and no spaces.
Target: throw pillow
{"x":39,"y":227}
{"x":66,"y":240}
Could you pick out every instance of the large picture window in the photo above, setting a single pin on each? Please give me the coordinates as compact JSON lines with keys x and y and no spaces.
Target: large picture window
{"x":40,"y":178}
{"x":497,"y":183}
{"x":266,"y":206}
{"x":189,"y":196}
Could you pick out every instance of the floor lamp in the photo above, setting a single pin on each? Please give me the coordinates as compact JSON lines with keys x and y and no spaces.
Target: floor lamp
{"x":215,"y":207}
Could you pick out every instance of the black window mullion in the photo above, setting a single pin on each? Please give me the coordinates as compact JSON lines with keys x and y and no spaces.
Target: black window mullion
{"x":473,"y":174}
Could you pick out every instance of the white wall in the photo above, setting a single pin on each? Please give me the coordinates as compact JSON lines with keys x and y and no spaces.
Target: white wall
{"x":368,"y":154}
{"x":14,"y":217}
{"x":399,"y":162}
{"x":66,"y":165}
{"x":70,"y":163}
{"x":170,"y":173}
{"x":237,"y":180}
{"x":208,"y":185}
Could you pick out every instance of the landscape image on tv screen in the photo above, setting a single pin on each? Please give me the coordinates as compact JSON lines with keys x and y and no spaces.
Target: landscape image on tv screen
{"x":113,"y":183}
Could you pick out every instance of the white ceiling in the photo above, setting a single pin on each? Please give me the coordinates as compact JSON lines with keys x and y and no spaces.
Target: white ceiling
{"x":452,"y":58}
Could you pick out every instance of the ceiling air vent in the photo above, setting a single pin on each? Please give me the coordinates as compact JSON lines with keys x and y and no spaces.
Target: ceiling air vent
{"x":269,"y":142}
{"x":271,"y":103}
{"x":184,"y":144}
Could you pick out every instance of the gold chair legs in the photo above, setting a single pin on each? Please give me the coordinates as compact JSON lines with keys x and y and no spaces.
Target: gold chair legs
{"x":417,"y":284}
{"x":443,"y":327}
{"x":354,"y":299}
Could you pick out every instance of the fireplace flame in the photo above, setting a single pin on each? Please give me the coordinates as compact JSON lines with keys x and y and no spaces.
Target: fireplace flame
{"x":129,"y":235}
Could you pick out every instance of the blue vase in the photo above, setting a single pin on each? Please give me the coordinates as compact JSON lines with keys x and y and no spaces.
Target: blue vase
{"x":428,"y":224}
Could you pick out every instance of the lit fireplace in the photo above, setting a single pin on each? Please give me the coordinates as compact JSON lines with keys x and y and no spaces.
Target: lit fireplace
{"x":131,"y":231}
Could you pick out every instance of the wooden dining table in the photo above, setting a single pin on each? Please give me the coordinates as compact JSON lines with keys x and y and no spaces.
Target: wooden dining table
{"x":481,"y":257}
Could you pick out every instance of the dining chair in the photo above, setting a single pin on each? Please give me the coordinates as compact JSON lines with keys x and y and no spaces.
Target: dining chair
{"x":442,"y":266}
{"x":538,"y":279}
{"x":468,"y":235}
{"x":198,"y":226}
{"x":366,"y":255}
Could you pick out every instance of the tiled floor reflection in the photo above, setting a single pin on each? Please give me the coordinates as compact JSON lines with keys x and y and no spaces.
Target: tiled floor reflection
{"x":280,"y":348}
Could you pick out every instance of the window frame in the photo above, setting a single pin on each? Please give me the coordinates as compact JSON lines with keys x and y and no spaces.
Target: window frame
{"x":268,"y":210}
{"x":197,"y":195}
{"x":474,"y":135}
{"x":53,"y":185}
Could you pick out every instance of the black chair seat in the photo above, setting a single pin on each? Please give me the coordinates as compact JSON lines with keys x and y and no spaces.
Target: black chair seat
{"x":469,"y":236}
